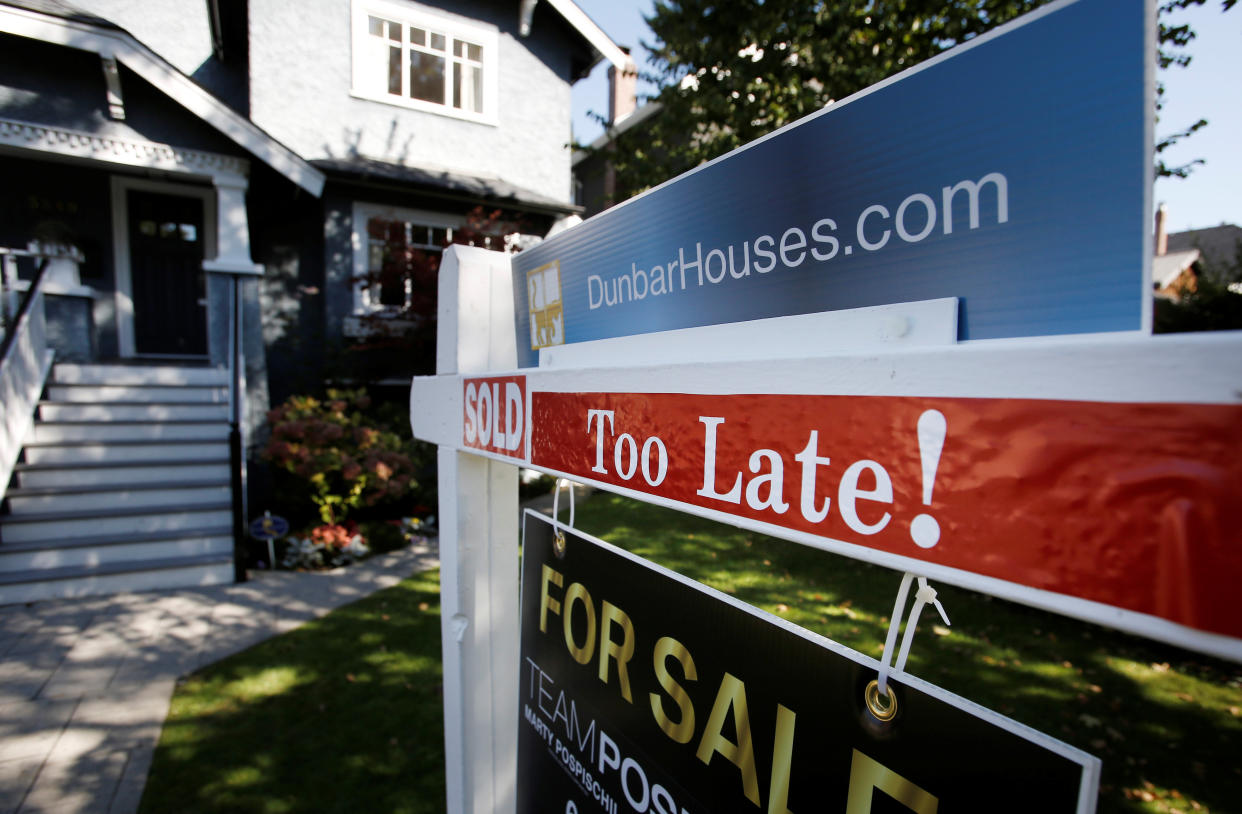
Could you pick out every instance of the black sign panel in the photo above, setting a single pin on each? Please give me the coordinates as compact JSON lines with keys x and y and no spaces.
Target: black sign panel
{"x":643,"y":691}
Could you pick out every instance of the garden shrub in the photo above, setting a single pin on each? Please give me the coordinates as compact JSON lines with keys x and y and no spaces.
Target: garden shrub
{"x":339,"y":455}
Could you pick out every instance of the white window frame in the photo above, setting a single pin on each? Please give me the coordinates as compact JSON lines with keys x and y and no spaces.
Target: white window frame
{"x":364,"y":304}
{"x":368,"y":82}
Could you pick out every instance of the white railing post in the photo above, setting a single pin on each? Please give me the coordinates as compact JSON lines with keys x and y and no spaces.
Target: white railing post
{"x":11,"y":295}
{"x":478,"y":549}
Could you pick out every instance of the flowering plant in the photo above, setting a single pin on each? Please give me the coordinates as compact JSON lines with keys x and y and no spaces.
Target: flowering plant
{"x":329,"y":546}
{"x":345,"y":461}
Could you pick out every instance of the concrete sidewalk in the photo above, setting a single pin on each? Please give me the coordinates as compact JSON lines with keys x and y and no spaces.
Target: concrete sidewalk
{"x":85,"y":684}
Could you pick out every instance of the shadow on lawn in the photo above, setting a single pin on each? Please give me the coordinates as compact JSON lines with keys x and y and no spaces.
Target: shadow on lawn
{"x":343,"y":714}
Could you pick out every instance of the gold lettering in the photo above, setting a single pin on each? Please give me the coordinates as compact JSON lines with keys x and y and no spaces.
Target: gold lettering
{"x":866,"y":775}
{"x":782,"y":757}
{"x":547,"y":603}
{"x":578,"y":593}
{"x":732,"y":695}
{"x":683,"y":730}
{"x":612,"y":615}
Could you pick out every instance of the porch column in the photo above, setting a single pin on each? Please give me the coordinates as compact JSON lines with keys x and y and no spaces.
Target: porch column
{"x":235,"y":335}
{"x":232,"y":227}
{"x":235,"y":332}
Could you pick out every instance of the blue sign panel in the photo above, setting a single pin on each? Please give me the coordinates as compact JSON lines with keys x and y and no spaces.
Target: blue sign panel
{"x":1010,"y":172}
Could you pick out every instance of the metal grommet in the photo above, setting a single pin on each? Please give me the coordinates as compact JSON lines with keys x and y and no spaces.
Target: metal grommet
{"x":558,"y":544}
{"x":883,"y":711}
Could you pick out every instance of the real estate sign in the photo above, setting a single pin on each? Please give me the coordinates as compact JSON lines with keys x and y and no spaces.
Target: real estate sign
{"x":1011,"y":172}
{"x":1124,"y":505}
{"x":641,"y":690}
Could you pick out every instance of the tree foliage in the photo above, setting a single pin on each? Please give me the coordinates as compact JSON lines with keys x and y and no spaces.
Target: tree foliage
{"x":731,"y":72}
{"x":1174,"y":51}
{"x":728,"y":73}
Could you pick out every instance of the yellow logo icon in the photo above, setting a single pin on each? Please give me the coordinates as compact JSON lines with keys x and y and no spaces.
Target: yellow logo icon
{"x":547,"y":316}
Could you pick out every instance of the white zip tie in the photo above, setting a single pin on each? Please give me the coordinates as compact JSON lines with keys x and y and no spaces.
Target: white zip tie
{"x":925,"y":595}
{"x":559,"y":540}
{"x":894,"y":623}
{"x":556,"y":501}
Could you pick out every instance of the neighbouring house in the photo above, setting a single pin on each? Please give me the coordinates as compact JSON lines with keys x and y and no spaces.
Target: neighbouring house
{"x":595,"y":177}
{"x":1181,"y":258}
{"x":1219,"y":247}
{"x":220,"y":201}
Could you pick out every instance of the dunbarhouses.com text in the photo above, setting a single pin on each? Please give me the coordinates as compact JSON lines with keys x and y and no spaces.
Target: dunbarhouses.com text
{"x":913,"y":220}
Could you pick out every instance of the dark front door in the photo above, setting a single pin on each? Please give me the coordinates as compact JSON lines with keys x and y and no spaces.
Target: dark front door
{"x":166,"y":271}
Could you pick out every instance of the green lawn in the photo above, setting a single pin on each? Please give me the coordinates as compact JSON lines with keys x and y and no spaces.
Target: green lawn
{"x":344,"y":714}
{"x":340,"y":715}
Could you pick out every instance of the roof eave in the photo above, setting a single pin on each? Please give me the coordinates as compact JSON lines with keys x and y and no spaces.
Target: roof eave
{"x":592,"y":33}
{"x":140,"y":59}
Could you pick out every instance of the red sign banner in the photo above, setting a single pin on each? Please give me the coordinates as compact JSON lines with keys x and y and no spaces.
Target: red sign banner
{"x":493,"y":417}
{"x":1133,"y":505}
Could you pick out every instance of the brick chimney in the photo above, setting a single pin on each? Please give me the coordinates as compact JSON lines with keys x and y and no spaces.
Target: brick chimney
{"x":1162,"y":233}
{"x":622,"y":91}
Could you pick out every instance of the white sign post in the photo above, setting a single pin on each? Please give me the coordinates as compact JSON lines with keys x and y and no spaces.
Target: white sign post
{"x":478,"y":545}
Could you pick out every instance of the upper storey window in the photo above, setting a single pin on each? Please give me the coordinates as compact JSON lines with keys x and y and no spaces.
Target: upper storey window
{"x":406,"y":56}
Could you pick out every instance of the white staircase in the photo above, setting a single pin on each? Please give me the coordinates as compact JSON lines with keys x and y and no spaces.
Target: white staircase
{"x":123,"y":485}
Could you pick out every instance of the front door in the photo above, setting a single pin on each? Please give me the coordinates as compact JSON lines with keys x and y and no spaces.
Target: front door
{"x":169,"y":288}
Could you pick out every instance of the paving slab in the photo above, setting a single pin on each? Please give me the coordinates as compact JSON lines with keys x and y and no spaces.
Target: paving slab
{"x":85,"y":684}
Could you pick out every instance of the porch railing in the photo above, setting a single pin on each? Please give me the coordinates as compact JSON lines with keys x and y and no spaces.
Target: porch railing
{"x":25,"y":358}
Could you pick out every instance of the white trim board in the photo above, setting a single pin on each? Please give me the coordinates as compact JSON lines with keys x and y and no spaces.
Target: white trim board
{"x":595,"y":35}
{"x":112,"y":150}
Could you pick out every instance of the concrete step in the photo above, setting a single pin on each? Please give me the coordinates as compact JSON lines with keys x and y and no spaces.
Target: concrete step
{"x":123,"y":451}
{"x":137,"y":394}
{"x":51,"y":432}
{"x":167,"y":496}
{"x":140,"y":374}
{"x":42,"y":476}
{"x":70,"y":582}
{"x":167,"y":411}
{"x":30,"y":528}
{"x":91,"y":552}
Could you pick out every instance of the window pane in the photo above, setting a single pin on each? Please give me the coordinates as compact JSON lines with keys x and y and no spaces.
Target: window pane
{"x":392,"y":286}
{"x":468,"y":87}
{"x":459,"y":48}
{"x":394,"y":70}
{"x":439,"y":237}
{"x":376,"y":26}
{"x":418,"y":36}
{"x":474,"y":52}
{"x":437,"y":41}
{"x":427,"y":77}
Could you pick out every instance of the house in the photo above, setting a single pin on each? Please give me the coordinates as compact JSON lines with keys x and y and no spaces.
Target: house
{"x":1219,"y":247}
{"x":215,"y":190}
{"x":1181,"y":258}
